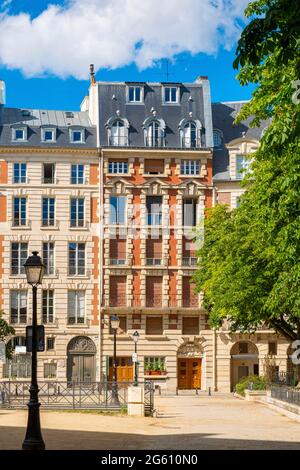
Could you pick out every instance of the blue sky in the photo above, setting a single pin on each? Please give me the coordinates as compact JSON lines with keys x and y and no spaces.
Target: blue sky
{"x":50,"y":68}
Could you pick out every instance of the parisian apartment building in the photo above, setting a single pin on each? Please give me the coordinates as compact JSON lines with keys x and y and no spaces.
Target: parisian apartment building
{"x":113,"y":198}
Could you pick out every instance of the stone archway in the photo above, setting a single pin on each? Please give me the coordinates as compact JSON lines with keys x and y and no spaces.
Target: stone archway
{"x":81,"y":353}
{"x":189,"y":366}
{"x":244,"y":361}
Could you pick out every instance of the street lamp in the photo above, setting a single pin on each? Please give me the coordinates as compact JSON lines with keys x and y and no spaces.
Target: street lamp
{"x":115,"y":323}
{"x":135,"y":337}
{"x":34,"y":269}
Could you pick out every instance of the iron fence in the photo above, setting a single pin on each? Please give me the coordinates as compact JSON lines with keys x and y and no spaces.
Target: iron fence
{"x":70,"y":395}
{"x":284,"y":393}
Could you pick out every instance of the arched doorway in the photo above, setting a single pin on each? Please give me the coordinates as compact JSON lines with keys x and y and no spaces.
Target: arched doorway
{"x":81,"y":353}
{"x":244,"y":361}
{"x":189,"y":366}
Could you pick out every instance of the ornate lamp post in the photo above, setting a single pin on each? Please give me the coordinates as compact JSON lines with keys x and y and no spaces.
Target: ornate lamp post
{"x":115,"y":323}
{"x":34,"y":269}
{"x":135,"y":337}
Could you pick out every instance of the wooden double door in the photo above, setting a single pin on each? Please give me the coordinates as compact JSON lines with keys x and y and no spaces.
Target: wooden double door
{"x":124,"y":369}
{"x":189,"y":373}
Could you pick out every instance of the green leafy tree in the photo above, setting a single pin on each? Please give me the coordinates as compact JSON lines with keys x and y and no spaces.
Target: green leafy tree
{"x":5,"y":331}
{"x":249,"y":264}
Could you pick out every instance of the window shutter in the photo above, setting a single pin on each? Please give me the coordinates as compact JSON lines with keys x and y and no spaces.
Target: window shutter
{"x":118,"y":248}
{"x":154,"y":167}
{"x":190,"y":325}
{"x":117,"y":291}
{"x":154,"y":325}
{"x":154,"y":248}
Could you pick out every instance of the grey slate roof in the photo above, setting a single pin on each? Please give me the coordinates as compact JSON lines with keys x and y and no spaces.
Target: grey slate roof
{"x":112,"y":98}
{"x":34,"y":119}
{"x":224,"y":115}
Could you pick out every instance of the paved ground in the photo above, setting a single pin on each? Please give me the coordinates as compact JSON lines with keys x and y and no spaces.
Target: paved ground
{"x":184,"y":422}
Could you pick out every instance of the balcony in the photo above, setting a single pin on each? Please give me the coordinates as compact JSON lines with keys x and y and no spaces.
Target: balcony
{"x":50,"y":223}
{"x":119,"y":301}
{"x":20,"y":319}
{"x":155,"y":142}
{"x":118,"y":141}
{"x":154,"y":301}
{"x":190,"y":301}
{"x":76,"y":321}
{"x":18,"y":223}
{"x":191,"y":142}
{"x":79,"y":224}
{"x":189,"y":261}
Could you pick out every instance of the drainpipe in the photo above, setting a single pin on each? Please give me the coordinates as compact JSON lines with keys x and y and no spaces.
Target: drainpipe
{"x":214,"y":361}
{"x":100,"y":282}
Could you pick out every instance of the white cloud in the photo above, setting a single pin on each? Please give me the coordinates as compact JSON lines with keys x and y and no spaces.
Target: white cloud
{"x":64,"y":40}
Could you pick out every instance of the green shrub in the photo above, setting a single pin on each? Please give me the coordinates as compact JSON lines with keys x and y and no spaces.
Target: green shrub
{"x":259,"y":383}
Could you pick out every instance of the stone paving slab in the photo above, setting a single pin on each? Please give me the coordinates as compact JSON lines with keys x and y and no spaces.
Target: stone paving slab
{"x":182,"y":422}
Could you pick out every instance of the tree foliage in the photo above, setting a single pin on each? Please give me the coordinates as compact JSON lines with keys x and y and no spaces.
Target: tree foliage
{"x":5,"y":331}
{"x":249,"y":264}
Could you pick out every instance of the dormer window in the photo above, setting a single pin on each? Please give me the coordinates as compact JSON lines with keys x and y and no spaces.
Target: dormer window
{"x":135,"y":94}
{"x":117,"y":131}
{"x":20,"y":134}
{"x":171,"y":95}
{"x":190,"y":133}
{"x":217,"y":136}
{"x":154,"y":132}
{"x":77,"y":136}
{"x":48,"y":135}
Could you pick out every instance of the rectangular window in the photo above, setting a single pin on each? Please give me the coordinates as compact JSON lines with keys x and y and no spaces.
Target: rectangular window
{"x":154,"y":325}
{"x":48,"y":258}
{"x":154,"y":291}
{"x":50,"y":343}
{"x":77,"y":136}
{"x":76,"y":259}
{"x":77,"y":212}
{"x":48,"y":173}
{"x":50,"y":370}
{"x":48,"y":135}
{"x":118,"y":251}
{"x":154,"y":210}
{"x":117,"y":210}
{"x":154,"y":251}
{"x":19,"y":134}
{"x":123,"y":325}
{"x":19,"y":211}
{"x":272,"y":348}
{"x":190,"y":167}
{"x":189,"y":214}
{"x":153,"y":363}
{"x":242,"y":166}
{"x":154,"y":167}
{"x":77,"y":174}
{"x":76,"y":306}
{"x":48,"y":212}
{"x":134,"y":94}
{"x":19,"y":253}
{"x":118,"y":167}
{"x":18,"y":306}
{"x":117,"y":291}
{"x":190,"y":325}
{"x":20,"y":170}
{"x":171,"y":94}
{"x":48,"y":305}
{"x":189,"y":296}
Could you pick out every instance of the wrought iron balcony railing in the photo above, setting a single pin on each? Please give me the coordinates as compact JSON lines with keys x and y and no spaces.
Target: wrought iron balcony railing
{"x":118,"y":141}
{"x":189,"y":261}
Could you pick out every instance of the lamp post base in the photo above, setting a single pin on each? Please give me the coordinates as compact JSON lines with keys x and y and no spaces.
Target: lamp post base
{"x":33,"y":439}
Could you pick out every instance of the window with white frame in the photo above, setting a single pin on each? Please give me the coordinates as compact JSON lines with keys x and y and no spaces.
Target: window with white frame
{"x":77,"y":212}
{"x":154,"y":363}
{"x":135,"y":94}
{"x":76,"y":259}
{"x":19,"y":133}
{"x":50,"y":370}
{"x":154,"y":134}
{"x":243,"y":164}
{"x":19,"y":253}
{"x":76,"y":136}
{"x":217,"y":137}
{"x":48,"y":305}
{"x":77,"y":173}
{"x":118,"y":167}
{"x":48,"y":258}
{"x":171,"y":94}
{"x":48,"y":135}
{"x":190,"y":167}
{"x":118,"y":134}
{"x":19,"y":211}
{"x":48,"y":219}
{"x":117,"y":210}
{"x":20,"y":173}
{"x":189,"y":135}
{"x":18,"y":306}
{"x":76,"y":306}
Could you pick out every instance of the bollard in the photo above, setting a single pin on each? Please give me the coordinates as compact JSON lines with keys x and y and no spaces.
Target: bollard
{"x":209,"y":391}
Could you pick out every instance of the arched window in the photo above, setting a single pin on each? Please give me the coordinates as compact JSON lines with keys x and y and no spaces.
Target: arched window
{"x":154,"y":134}
{"x":217,"y":136}
{"x":190,"y":135}
{"x":117,"y":132}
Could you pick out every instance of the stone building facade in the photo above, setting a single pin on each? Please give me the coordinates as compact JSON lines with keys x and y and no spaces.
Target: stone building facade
{"x":112,"y":197}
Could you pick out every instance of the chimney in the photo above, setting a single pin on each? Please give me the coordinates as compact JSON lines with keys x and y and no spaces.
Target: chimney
{"x":2,"y":93}
{"x":92,"y":74}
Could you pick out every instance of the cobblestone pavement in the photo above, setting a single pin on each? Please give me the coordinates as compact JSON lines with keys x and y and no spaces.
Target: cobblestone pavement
{"x":183,"y":422}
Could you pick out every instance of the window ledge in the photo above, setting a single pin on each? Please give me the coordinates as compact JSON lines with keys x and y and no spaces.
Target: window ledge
{"x":77,"y":325}
{"x":158,"y":175}
{"x":191,"y":176}
{"x":49,"y":227}
{"x":21,"y":227}
{"x":155,"y":377}
{"x":156,"y":337}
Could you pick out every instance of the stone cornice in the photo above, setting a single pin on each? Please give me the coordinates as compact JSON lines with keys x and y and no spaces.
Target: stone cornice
{"x":53,"y":150}
{"x":152,"y":152}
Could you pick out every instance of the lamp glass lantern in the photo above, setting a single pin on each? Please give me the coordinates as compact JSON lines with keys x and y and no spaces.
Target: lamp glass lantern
{"x":115,"y":322}
{"x":136,"y":336}
{"x":34,"y":269}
